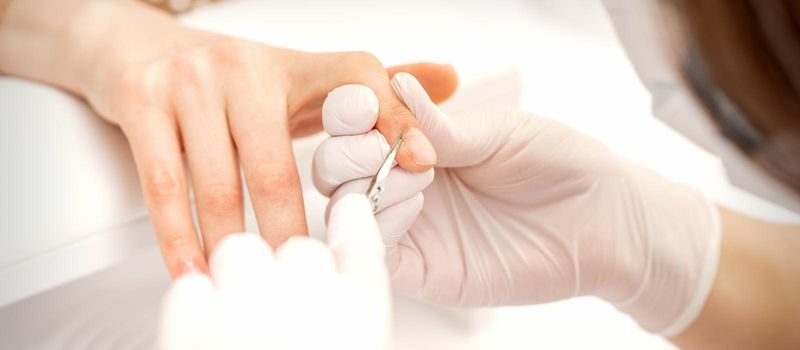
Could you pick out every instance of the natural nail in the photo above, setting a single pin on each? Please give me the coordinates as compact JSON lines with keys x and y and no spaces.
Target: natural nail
{"x":422,"y":151}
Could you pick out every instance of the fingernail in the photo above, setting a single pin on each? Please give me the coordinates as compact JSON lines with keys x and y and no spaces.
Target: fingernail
{"x":189,"y":267}
{"x":422,"y":151}
{"x":400,"y":83}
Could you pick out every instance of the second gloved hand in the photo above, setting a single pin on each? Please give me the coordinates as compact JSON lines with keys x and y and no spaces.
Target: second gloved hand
{"x":523,"y":210}
{"x":304,"y":296}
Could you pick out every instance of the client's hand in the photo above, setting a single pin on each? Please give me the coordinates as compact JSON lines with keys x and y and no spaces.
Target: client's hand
{"x":523,"y":210}
{"x":305,"y":296}
{"x":224,"y":103}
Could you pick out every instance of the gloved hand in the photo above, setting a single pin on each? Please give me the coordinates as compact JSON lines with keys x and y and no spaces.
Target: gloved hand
{"x":306,"y":296}
{"x":523,"y":210}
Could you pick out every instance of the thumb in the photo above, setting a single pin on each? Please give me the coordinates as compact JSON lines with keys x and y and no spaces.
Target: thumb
{"x":458,"y":141}
{"x":439,"y":80}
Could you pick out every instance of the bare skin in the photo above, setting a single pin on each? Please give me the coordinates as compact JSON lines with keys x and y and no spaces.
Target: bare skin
{"x":217,"y":101}
{"x":755,"y":300}
{"x":175,"y":91}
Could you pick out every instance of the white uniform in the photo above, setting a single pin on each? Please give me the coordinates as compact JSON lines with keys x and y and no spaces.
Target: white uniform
{"x":642,"y":29}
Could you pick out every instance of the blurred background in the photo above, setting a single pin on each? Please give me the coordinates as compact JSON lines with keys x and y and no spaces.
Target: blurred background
{"x":73,"y":279}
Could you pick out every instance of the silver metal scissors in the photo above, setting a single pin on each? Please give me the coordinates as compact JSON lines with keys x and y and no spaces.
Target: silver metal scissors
{"x":378,"y":184}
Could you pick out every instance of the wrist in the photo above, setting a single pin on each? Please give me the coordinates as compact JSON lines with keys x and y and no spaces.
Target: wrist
{"x":112,"y":37}
{"x":59,"y":42}
{"x":753,"y":301}
{"x":665,"y":241}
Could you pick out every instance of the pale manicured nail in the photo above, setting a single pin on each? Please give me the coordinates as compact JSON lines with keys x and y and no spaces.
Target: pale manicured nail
{"x":421,"y":149}
{"x":189,"y":267}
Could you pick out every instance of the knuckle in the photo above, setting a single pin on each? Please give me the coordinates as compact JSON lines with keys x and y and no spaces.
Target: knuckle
{"x":136,"y":90}
{"x":361,"y":65}
{"x":144,"y":77}
{"x":221,"y":198}
{"x":132,"y":80}
{"x":162,"y":185}
{"x":232,"y":53}
{"x":191,"y":69}
{"x":363,"y":59}
{"x":131,"y":86}
{"x":274,"y":182}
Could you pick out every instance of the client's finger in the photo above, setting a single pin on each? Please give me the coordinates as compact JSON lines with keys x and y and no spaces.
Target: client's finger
{"x":258,"y":123}
{"x":324,"y":72}
{"x":439,"y":80}
{"x":153,"y":136}
{"x":214,"y":166}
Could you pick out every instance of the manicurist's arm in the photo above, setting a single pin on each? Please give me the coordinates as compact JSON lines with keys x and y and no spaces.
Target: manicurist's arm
{"x":755,"y":300}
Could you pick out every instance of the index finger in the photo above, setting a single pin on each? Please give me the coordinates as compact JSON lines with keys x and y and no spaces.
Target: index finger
{"x":153,"y":137}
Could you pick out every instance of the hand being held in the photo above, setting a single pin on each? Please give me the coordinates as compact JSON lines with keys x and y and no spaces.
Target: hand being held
{"x":230,"y":105}
{"x":523,"y":210}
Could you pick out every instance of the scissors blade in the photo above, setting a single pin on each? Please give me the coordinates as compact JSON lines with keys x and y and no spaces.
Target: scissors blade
{"x":378,"y":184}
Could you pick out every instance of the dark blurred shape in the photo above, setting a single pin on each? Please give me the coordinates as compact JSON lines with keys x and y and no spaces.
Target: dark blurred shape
{"x":743,"y":61}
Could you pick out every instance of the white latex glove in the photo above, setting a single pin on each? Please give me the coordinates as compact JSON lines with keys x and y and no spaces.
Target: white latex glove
{"x":524,"y":210}
{"x":306,"y":296}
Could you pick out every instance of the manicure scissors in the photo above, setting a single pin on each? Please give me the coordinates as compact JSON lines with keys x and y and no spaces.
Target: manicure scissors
{"x":378,"y":184}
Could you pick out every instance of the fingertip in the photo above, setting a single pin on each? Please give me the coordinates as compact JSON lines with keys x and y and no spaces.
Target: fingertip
{"x":403,"y":84}
{"x":412,"y":93}
{"x":417,"y":150}
{"x":349,"y":110}
{"x":416,"y":153}
{"x":184,"y":261}
{"x":190,"y":267}
{"x":238,"y":258}
{"x":440,"y":81}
